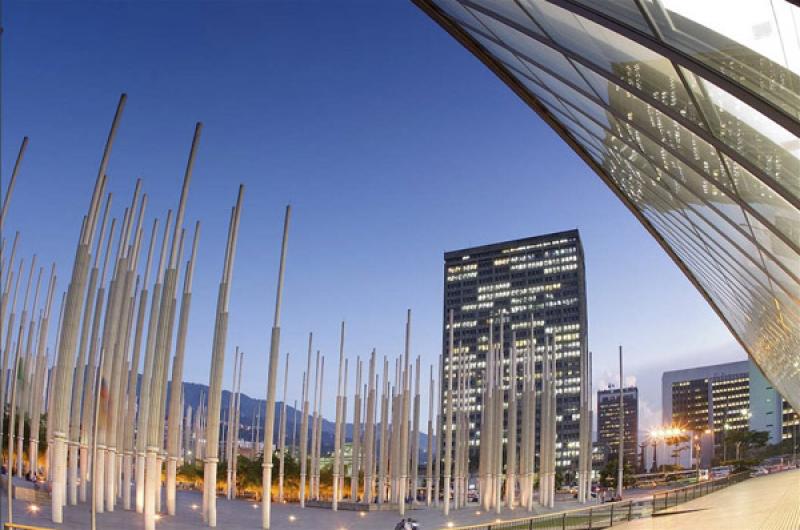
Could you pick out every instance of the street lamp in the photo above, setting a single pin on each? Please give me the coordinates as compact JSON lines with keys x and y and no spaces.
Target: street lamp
{"x":725,"y":429}
{"x":670,"y":435}
{"x":697,"y":444}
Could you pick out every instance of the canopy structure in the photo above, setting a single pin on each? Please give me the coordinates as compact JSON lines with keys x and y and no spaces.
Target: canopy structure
{"x":689,"y":110}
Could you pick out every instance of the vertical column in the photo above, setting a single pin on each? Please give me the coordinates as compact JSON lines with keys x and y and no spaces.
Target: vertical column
{"x":448,"y":442}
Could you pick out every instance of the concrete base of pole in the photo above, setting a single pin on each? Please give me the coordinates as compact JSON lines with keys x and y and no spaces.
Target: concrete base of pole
{"x":211,"y":478}
{"x":119,"y":476}
{"x":33,"y":452}
{"x":83,"y":467}
{"x":446,"y":495}
{"x":302,"y":490}
{"x":58,"y":489}
{"x":72,"y":474}
{"x":150,"y":478}
{"x":99,"y":485}
{"x":205,"y":490}
{"x":511,"y":490}
{"x":172,"y":474}
{"x":498,"y":504}
{"x":334,"y":500}
{"x":127,"y":470}
{"x":159,"y":485}
{"x":47,"y":452}
{"x":139,"y":479}
{"x":20,"y":463}
{"x":111,"y":478}
{"x":266,"y":501}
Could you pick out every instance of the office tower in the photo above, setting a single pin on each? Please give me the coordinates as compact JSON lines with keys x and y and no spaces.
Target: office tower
{"x":538,"y":286}
{"x":608,"y":422}
{"x":723,"y":398}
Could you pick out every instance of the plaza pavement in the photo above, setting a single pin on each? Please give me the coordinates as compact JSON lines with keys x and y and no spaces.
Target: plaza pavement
{"x":244,"y":515}
{"x":770,"y":502}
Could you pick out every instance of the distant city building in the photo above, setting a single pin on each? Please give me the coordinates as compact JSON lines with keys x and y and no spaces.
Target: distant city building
{"x":608,"y":422}
{"x":725,"y":397}
{"x":538,"y":284}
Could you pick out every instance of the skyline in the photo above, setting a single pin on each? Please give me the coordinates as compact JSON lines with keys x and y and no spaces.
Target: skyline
{"x":398,"y":144}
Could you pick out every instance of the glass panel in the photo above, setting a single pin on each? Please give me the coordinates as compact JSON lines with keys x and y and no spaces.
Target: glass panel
{"x":708,"y":220}
{"x":755,"y":44}
{"x":507,"y":13}
{"x":781,"y":216}
{"x":499,"y":52}
{"x":668,"y":132}
{"x":780,"y":254}
{"x":537,"y":90}
{"x":619,"y":57}
{"x":733,"y":244}
{"x":591,"y":107}
{"x":506,"y":9}
{"x":552,"y":61}
{"x":733,"y":276}
{"x":768,"y":146}
{"x":707,"y":275}
{"x":710,"y":275}
{"x":456,"y":11}
{"x":703,"y":191}
{"x":671,"y":209}
{"x":625,"y":11}
{"x":702,"y":272}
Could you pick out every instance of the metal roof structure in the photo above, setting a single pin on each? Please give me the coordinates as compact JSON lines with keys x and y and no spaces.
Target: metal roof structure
{"x":691,"y":118}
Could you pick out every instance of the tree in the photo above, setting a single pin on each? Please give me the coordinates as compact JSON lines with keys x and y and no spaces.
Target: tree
{"x":608,"y":473}
{"x":744,"y":440}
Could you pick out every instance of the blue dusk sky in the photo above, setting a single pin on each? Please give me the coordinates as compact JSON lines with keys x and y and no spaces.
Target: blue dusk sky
{"x":392,"y":143}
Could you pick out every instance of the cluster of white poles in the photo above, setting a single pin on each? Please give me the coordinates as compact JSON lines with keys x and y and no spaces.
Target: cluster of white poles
{"x":106,"y":426}
{"x":507,"y":453}
{"x":382,"y":467}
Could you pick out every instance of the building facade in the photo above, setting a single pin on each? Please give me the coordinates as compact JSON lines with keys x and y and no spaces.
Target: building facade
{"x":691,"y":118}
{"x":608,"y":422}
{"x":537,"y":285}
{"x":723,"y":398}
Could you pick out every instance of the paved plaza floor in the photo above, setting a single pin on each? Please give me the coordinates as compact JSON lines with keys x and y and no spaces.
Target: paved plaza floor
{"x":771,"y":502}
{"x":243,"y":515}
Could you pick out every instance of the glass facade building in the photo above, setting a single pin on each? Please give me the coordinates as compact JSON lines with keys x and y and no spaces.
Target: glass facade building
{"x":608,"y":423}
{"x":725,"y":397}
{"x":538,"y":285}
{"x":692,"y":119}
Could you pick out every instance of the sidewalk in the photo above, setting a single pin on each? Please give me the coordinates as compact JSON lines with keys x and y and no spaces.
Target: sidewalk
{"x":771,"y":502}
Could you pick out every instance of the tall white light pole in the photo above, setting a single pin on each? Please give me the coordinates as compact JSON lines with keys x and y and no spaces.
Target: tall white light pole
{"x":303,"y":427}
{"x":621,"y":452}
{"x":269,"y":419}
{"x":448,"y":435}
{"x":211,"y":452}
{"x":337,"y":438}
{"x":282,"y":433}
